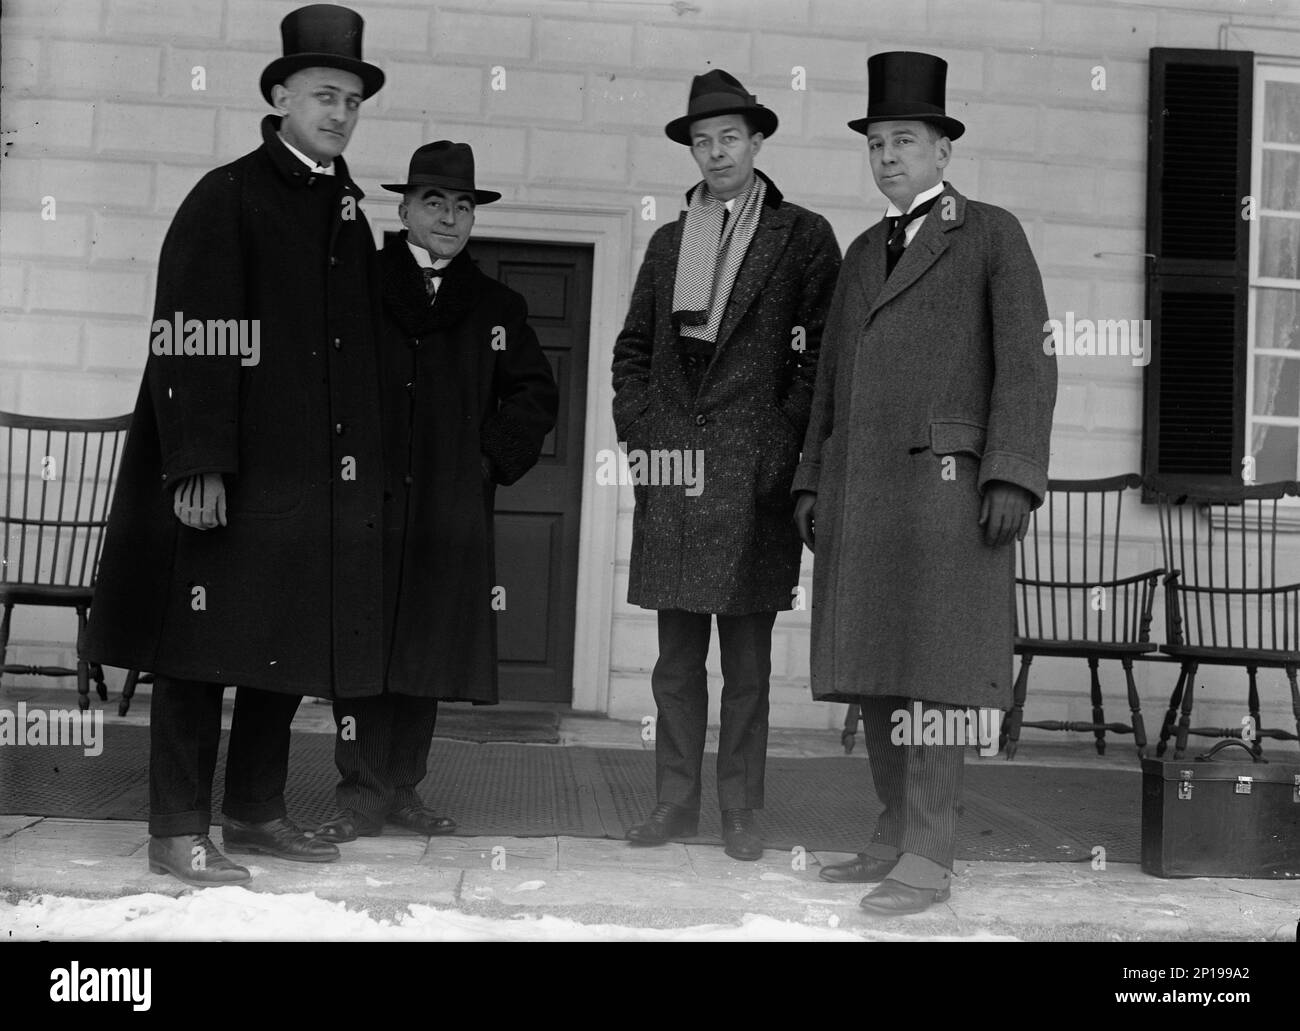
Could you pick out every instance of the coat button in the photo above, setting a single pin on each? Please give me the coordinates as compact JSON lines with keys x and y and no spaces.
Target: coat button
{"x":338,"y":428}
{"x":701,"y":419}
{"x":338,"y":344}
{"x":311,"y":179}
{"x":408,"y":479}
{"x":333,"y":261}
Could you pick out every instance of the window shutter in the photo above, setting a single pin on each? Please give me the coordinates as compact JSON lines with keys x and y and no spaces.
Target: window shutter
{"x":1198,"y":176}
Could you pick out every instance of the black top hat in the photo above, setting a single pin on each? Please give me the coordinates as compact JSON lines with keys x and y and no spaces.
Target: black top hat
{"x":903,"y":86}
{"x":322,"y":36}
{"x":446,"y":166}
{"x":718,"y":93}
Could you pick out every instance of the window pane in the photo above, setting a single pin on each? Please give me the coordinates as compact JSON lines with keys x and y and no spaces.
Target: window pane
{"x":1274,"y":448}
{"x":1277,"y":319}
{"x":1281,"y":180}
{"x":1277,"y":386}
{"x":1282,"y":112}
{"x":1279,"y":247}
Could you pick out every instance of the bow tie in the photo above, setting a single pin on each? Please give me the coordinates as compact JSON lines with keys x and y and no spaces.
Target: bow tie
{"x":430,"y":275}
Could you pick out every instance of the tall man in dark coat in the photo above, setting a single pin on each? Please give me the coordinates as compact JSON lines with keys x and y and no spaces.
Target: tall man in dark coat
{"x":715,"y":366}
{"x":244,"y":544}
{"x":926,"y":450}
{"x":468,"y":399}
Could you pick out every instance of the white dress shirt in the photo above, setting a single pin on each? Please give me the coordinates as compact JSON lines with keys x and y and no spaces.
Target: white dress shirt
{"x":425,"y":260}
{"x":914,"y":226}
{"x":315,"y":166}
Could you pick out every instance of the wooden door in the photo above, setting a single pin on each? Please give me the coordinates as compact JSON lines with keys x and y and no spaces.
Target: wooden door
{"x":537,"y":517}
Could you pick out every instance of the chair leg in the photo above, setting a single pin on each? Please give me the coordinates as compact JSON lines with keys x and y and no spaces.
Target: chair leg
{"x":4,"y":635}
{"x":128,"y":691}
{"x":1098,"y":714}
{"x":83,"y":667}
{"x":1185,"y":717}
{"x":97,"y":674}
{"x":1256,"y":746}
{"x":1167,"y":727}
{"x":1135,"y":709}
{"x":1295,"y":698}
{"x":1010,"y":736}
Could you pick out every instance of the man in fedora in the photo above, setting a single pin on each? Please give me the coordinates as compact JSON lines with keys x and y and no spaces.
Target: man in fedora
{"x":244,"y":545}
{"x":926,"y":451}
{"x":715,"y":365}
{"x":468,"y":398}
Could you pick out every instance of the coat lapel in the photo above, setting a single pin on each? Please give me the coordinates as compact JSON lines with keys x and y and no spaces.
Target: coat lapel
{"x":930,"y":242}
{"x":774,"y":227}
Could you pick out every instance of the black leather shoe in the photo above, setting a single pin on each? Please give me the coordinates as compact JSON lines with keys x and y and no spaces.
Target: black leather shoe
{"x":860,"y":869}
{"x":739,"y":835}
{"x":347,"y":825}
{"x":195,"y":860}
{"x":894,"y":898}
{"x":665,"y":822}
{"x":281,"y":838}
{"x":422,"y":820}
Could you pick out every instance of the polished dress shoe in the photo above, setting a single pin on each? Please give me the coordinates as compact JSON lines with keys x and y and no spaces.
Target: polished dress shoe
{"x":422,"y":820}
{"x":665,"y":822}
{"x":894,"y":898}
{"x":861,"y":869}
{"x":739,"y":835}
{"x":281,"y":838}
{"x":195,"y":860}
{"x":347,"y":825}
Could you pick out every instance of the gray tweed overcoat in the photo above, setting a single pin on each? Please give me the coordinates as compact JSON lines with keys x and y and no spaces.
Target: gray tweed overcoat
{"x":732,"y":547}
{"x":931,"y":383}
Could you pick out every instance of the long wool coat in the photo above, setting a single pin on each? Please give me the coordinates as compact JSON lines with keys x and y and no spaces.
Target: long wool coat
{"x":461,"y":378}
{"x":287,"y":596}
{"x":732,"y":548}
{"x":932,"y":383}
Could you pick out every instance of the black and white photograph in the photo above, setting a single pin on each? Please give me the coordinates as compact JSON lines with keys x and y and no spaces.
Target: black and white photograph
{"x":652,"y":471}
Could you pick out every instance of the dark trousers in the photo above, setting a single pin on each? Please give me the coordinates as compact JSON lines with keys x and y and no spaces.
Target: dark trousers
{"x":184,"y":731}
{"x":381,"y":749}
{"x":920,"y":787}
{"x":681,"y":694}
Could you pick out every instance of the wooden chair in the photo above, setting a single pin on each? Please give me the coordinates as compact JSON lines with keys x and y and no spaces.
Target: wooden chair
{"x":1072,"y":602}
{"x":58,"y":479}
{"x":1224,"y":603}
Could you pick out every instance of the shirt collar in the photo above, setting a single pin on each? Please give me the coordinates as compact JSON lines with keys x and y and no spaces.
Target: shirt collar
{"x":424,"y":259}
{"x":920,"y":198}
{"x":313,"y":165}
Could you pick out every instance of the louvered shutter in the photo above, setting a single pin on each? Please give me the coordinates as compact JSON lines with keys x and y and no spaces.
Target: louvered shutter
{"x":1198,"y":176}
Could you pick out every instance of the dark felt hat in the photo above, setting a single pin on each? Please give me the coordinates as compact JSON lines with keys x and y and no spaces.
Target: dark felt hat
{"x":446,"y":166}
{"x":322,"y":36}
{"x":718,"y":93}
{"x":904,"y":86}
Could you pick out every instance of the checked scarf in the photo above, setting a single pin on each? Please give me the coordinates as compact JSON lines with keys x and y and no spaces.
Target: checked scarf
{"x":712,"y":250}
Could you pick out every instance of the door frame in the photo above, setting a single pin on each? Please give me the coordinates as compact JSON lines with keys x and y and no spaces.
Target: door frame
{"x":609,"y":231}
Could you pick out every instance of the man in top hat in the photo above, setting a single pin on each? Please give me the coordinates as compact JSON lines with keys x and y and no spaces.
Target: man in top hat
{"x":244,"y":545}
{"x":715,"y":364}
{"x":926,"y":451}
{"x":468,"y":398}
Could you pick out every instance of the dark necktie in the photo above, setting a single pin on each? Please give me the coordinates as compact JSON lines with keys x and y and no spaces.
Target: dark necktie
{"x":430,"y":275}
{"x":897,"y":241}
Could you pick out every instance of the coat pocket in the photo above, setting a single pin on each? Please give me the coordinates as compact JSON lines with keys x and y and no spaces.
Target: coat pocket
{"x":956,"y":437}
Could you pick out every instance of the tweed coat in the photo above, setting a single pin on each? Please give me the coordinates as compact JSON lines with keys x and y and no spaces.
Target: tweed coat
{"x":932,"y":383}
{"x":449,"y":397}
{"x":732,"y":548}
{"x":286,"y":596}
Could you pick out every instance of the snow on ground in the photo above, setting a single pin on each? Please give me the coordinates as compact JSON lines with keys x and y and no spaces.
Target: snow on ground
{"x":237,"y":914}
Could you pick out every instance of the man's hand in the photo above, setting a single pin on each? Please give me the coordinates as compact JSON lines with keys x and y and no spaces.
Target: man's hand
{"x":200,"y":501}
{"x":1004,"y":513}
{"x":804,"y":506}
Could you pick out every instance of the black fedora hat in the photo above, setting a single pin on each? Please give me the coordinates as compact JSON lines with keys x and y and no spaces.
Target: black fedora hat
{"x":905,"y":86}
{"x":322,"y":36}
{"x":718,"y":93}
{"x":446,"y":166}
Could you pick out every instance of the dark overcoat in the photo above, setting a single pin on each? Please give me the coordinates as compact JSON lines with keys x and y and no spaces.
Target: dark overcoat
{"x":287,"y":596}
{"x":731,"y":548}
{"x":932,"y":383}
{"x":461,"y":378}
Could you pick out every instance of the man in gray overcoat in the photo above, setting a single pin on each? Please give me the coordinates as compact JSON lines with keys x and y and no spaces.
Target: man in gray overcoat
{"x":926,"y":450}
{"x":244,"y":545}
{"x":713,"y":376}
